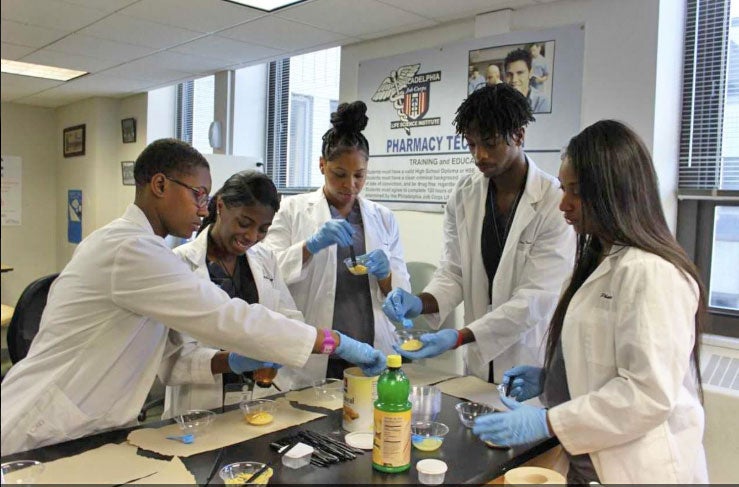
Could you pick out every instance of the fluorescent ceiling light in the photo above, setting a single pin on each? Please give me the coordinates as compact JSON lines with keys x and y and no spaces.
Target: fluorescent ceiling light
{"x":39,"y":70}
{"x":267,"y":5}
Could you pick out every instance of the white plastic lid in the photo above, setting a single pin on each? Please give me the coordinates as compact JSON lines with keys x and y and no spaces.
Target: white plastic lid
{"x":300,"y":450}
{"x":431,"y":466}
{"x":360,"y":439}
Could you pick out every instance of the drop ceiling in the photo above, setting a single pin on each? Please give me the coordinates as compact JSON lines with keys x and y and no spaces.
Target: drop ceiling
{"x":132,"y":46}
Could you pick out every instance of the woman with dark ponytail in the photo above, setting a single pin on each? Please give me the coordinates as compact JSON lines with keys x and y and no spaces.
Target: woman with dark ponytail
{"x":314,"y":233}
{"x":226,"y":252}
{"x":621,"y":377}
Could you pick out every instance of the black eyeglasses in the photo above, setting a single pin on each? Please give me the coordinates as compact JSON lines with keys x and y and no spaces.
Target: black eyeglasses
{"x":201,"y":194}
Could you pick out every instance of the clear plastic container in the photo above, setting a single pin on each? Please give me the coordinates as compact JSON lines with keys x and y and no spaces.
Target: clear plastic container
{"x":196,"y":421}
{"x":21,"y":471}
{"x":410,"y":340}
{"x":328,"y":389}
{"x":239,"y":472}
{"x":297,"y":456}
{"x":259,"y":411}
{"x":426,"y":402}
{"x":358,"y":270}
{"x":431,"y":471}
{"x":428,"y":435}
{"x":468,"y":411}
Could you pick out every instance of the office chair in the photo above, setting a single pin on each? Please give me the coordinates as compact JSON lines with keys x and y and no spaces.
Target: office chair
{"x":27,"y":316}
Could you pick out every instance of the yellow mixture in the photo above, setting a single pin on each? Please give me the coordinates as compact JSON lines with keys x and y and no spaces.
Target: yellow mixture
{"x":259,"y":418}
{"x":358,"y":269}
{"x":243,"y":477}
{"x":412,"y":345}
{"x":428,"y":444}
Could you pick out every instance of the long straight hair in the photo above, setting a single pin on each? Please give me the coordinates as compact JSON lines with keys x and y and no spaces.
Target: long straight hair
{"x":620,"y":200}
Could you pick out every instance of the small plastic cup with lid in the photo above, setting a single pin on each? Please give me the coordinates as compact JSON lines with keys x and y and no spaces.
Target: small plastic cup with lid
{"x":431,"y":471}
{"x":297,"y":456}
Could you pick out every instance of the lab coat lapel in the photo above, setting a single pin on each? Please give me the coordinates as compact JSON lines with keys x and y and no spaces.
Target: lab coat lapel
{"x":371,"y":222}
{"x":196,"y":254}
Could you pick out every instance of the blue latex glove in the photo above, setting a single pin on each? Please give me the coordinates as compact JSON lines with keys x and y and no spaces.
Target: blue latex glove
{"x":369,"y":359}
{"x":525,"y":380}
{"x":377,"y":264}
{"x":433,"y":344}
{"x":523,"y":424}
{"x":240,"y":364}
{"x":337,"y":232}
{"x":400,"y":304}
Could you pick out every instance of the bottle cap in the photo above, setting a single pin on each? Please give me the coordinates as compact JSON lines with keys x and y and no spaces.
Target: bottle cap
{"x":394,"y":361}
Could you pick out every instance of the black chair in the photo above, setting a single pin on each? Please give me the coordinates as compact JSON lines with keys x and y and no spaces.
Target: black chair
{"x":27,"y":316}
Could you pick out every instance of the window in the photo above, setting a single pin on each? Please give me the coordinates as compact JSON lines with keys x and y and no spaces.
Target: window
{"x":195,"y":105}
{"x":708,"y":211}
{"x":303,"y":91}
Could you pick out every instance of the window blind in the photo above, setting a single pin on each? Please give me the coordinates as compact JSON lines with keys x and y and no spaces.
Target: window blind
{"x":183,"y":122}
{"x":278,"y":97}
{"x":709,"y":138}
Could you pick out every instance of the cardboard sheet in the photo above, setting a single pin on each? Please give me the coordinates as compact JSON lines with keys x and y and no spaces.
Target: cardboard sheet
{"x":308,"y":397}
{"x":173,"y":472}
{"x":227,"y":429}
{"x":424,"y":376}
{"x":110,"y":464}
{"x":471,"y":388}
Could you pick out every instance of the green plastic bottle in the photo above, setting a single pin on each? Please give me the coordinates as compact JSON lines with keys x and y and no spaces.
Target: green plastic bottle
{"x":391,"y":450}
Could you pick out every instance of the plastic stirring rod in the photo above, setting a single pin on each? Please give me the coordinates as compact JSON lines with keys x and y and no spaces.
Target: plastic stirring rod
{"x":186,"y":439}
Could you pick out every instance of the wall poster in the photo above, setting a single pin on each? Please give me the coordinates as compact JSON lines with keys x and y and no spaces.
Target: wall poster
{"x":11,"y":190}
{"x":74,"y":216}
{"x":416,"y":157}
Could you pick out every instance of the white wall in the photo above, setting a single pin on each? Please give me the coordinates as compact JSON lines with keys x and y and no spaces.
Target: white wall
{"x":619,"y":79}
{"x":30,"y":248}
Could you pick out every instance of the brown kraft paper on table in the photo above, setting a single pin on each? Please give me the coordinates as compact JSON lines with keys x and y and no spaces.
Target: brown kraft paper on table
{"x":227,"y":429}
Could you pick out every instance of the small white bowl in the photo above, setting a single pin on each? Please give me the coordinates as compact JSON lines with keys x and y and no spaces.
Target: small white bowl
{"x":431,"y":471}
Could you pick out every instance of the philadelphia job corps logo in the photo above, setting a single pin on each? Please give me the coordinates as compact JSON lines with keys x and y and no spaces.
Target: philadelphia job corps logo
{"x":410,"y":95}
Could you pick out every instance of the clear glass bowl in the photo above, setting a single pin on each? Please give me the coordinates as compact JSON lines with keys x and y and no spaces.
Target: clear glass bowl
{"x":259,"y":411}
{"x":328,"y":389}
{"x":239,"y":472}
{"x":21,"y":471}
{"x":428,"y":435}
{"x":196,"y":421}
{"x":468,"y":411}
{"x":410,"y":340}
{"x":360,"y":269}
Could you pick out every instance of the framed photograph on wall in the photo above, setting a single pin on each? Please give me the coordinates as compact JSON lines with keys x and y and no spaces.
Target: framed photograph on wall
{"x":73,"y":141}
{"x":128,"y":130}
{"x":127,"y":173}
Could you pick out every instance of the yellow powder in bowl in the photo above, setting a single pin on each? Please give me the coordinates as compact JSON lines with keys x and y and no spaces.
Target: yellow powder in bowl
{"x":412,"y":345}
{"x":241,"y":478}
{"x":259,"y":418}
{"x":428,"y":444}
{"x":358,"y":269}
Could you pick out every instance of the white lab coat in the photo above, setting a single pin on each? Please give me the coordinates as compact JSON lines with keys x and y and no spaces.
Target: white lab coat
{"x":313,"y":286}
{"x":538,"y":255}
{"x":104,"y":329}
{"x":626,"y":341}
{"x":188,"y":373}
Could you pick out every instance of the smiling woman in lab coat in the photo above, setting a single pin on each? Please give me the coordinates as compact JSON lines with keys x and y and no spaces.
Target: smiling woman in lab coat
{"x":226,"y":252}
{"x":312,"y":234}
{"x":621,"y":377}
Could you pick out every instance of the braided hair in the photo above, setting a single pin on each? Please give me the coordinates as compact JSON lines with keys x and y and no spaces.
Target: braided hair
{"x":345,"y":135}
{"x":498,"y":110}
{"x":245,"y":188}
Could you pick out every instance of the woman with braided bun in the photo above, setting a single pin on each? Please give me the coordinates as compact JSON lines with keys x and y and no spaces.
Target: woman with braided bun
{"x":313,"y":233}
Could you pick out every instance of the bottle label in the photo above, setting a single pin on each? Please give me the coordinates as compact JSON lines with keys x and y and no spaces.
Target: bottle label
{"x":392,"y":442}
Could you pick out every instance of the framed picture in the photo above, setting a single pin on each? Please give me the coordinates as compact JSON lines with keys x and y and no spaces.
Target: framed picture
{"x":127,"y":173}
{"x":73,"y":141}
{"x":128,"y":130}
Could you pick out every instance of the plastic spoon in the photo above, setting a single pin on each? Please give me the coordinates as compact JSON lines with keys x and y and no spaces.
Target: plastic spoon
{"x":186,"y":439}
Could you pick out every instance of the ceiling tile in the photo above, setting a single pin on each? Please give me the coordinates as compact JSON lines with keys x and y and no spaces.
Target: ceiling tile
{"x":51,"y":57}
{"x":145,"y":70}
{"x":50,"y":13}
{"x":399,"y":30}
{"x":14,"y":52}
{"x":442,"y":10}
{"x":100,"y":48}
{"x":122,"y":28}
{"x":200,"y":15}
{"x":28,"y":35}
{"x":18,"y":86}
{"x":229,"y":50}
{"x":108,"y":6}
{"x":350,"y":17}
{"x":280,"y":33}
{"x":184,"y":63}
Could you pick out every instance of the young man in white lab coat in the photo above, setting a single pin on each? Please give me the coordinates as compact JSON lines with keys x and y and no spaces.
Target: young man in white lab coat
{"x":506,"y":250}
{"x":104,"y":329}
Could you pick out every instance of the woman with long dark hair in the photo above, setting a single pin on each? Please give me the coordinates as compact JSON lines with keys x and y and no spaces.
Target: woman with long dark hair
{"x":621,"y":377}
{"x":313,"y":233}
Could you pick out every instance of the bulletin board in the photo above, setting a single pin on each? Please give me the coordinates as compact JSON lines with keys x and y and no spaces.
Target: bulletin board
{"x":416,"y":156}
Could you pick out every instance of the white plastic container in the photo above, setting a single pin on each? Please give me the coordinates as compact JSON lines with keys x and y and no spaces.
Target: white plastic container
{"x":297,"y":456}
{"x":431,"y":471}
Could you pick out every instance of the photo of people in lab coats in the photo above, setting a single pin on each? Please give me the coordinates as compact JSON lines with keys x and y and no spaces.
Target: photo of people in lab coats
{"x":621,"y":379}
{"x":314,"y":233}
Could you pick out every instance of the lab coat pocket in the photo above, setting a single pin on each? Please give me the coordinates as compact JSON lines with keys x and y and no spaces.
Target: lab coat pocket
{"x":55,"y":418}
{"x":600,"y":343}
